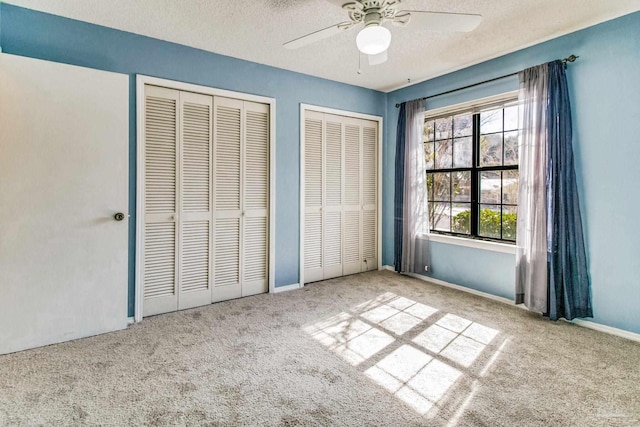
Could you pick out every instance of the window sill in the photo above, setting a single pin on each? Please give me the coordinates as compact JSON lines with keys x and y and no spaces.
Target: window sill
{"x":473,"y":243}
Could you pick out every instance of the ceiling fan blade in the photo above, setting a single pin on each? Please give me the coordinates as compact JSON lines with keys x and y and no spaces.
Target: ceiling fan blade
{"x":442,"y":21}
{"x":379,"y":58}
{"x":319,"y":35}
{"x":340,"y":3}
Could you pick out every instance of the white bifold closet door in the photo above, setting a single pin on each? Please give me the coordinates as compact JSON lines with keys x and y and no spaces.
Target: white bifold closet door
{"x":332,"y":255}
{"x":177,"y":200}
{"x":340,"y":190}
{"x":352,"y":196}
{"x":313,"y":195}
{"x":369,"y":195}
{"x":206,"y":199}
{"x":241,"y":192}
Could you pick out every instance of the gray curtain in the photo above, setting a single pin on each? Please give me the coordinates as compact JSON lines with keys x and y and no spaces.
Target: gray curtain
{"x":411,"y":210}
{"x":531,"y":236}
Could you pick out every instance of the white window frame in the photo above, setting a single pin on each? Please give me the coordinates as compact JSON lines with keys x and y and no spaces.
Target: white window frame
{"x":475,"y":106}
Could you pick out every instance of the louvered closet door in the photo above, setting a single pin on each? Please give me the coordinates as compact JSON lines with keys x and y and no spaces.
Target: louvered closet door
{"x":227,"y":198}
{"x":369,"y":195}
{"x":160,"y":242}
{"x":195,"y":232}
{"x":332,"y":254}
{"x":255,"y":219}
{"x":352,"y":207}
{"x":313,"y":185}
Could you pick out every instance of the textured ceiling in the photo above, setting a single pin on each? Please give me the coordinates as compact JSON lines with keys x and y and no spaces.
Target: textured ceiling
{"x":255,"y":30}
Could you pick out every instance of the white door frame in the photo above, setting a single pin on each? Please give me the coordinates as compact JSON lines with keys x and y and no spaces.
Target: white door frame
{"x":141,"y":81}
{"x":303,"y":109}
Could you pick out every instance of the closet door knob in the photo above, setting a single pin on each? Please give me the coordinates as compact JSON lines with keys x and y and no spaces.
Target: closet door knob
{"x":119,"y":216}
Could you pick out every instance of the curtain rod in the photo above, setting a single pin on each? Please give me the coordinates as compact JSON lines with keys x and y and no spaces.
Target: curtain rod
{"x":570,"y":58}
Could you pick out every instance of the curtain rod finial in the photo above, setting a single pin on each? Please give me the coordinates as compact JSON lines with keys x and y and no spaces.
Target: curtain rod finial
{"x":570,"y":58}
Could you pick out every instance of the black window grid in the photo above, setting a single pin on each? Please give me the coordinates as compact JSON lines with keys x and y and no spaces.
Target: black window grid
{"x":474,"y":202}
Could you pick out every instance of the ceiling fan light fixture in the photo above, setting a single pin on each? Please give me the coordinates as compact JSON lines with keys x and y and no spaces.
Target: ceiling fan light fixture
{"x":373,"y":39}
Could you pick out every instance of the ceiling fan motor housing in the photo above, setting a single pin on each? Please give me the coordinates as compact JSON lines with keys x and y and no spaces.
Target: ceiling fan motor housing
{"x":371,"y":12}
{"x":372,"y":18}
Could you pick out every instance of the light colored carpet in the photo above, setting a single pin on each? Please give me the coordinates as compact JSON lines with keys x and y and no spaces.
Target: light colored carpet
{"x":374,"y":349}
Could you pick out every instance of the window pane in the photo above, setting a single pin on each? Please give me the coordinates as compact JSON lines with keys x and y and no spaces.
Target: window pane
{"x":462,"y":154}
{"x":511,"y":118}
{"x":510,"y":187}
{"x":441,"y":187}
{"x":509,"y":215}
{"x":491,"y":121}
{"x":444,"y":128}
{"x":490,"y":187}
{"x":442,"y":216}
{"x":428,"y":154}
{"x":461,"y":186}
{"x":429,"y":130}
{"x":444,"y":154}
{"x":491,"y":150}
{"x":461,"y":218}
{"x":511,"y":148}
{"x":463,"y":125}
{"x":489,"y":221}
{"x":429,"y":186}
{"x":431,"y":215}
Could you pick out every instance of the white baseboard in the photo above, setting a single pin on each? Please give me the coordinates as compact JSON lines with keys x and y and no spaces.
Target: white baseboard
{"x":607,"y":329}
{"x":286,"y":288}
{"x":452,"y":286}
{"x":584,"y":323}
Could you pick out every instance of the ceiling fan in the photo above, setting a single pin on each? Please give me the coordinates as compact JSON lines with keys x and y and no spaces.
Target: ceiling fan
{"x":374,"y":39}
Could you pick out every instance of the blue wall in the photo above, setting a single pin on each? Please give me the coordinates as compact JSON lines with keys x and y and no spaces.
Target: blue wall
{"x":605,"y":96}
{"x":44,"y":36}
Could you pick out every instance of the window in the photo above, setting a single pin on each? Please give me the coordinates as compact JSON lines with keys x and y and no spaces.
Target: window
{"x":472,"y":172}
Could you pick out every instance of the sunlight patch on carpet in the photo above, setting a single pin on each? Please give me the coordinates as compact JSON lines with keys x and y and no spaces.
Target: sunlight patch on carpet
{"x":349,"y":337}
{"x":420,"y":371}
